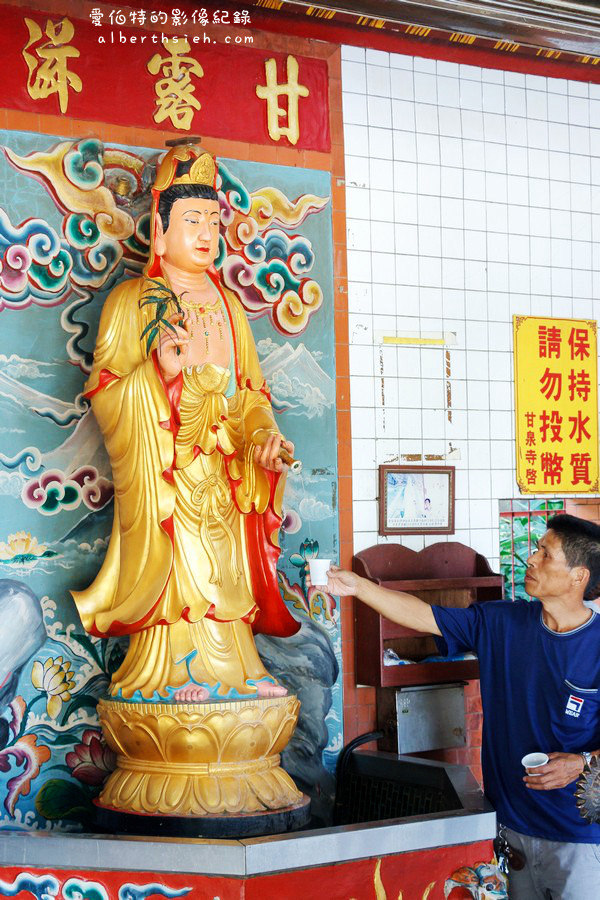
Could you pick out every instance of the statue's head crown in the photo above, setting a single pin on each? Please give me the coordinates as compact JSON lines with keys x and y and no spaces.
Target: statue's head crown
{"x":202,"y":171}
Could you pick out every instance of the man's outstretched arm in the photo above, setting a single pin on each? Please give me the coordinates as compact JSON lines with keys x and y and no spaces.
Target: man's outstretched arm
{"x":397,"y":606}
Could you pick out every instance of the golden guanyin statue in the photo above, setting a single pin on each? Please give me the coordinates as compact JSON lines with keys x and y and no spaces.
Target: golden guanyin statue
{"x":190,"y":571}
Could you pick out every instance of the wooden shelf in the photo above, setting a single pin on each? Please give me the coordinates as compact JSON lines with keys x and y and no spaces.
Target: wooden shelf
{"x":429,"y":673}
{"x":435,"y":584}
{"x":445,"y":574}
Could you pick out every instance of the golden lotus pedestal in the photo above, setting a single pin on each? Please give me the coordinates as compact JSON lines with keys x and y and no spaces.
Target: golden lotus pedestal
{"x":214,"y":761}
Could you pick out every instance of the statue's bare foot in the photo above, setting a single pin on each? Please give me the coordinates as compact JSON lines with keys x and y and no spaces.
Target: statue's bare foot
{"x":268,"y":689}
{"x":191,"y":693}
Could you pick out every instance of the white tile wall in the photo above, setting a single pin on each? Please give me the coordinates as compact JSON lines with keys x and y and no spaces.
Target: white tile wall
{"x":472,"y":195}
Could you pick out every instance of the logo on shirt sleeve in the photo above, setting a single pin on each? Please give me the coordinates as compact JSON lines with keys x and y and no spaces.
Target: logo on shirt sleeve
{"x":573,"y":707}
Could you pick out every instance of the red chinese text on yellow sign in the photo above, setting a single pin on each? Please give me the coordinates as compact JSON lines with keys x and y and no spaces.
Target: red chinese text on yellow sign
{"x":556,"y":405}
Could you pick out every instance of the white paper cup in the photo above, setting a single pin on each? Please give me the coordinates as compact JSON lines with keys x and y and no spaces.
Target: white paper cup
{"x":534,"y":761}
{"x":318,"y":571}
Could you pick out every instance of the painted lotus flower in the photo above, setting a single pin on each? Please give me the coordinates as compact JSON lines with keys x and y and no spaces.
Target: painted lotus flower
{"x":91,"y":761}
{"x":55,"y":680}
{"x":23,"y":549}
{"x":308,"y":549}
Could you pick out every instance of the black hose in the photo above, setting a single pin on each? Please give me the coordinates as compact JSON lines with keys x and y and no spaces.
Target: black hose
{"x":342,"y":765}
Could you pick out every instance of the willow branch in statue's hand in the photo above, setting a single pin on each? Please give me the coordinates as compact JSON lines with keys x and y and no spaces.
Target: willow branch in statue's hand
{"x":173,"y":346}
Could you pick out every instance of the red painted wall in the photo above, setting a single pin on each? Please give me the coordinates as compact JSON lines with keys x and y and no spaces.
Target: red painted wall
{"x":420,"y":875}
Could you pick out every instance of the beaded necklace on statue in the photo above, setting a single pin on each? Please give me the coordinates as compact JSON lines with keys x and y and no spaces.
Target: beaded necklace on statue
{"x":205,"y":311}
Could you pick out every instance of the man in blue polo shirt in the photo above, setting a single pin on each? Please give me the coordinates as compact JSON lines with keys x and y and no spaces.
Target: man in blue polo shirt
{"x":540,"y":686}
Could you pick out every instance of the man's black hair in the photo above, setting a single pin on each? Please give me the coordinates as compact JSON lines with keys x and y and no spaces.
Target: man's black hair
{"x":182,"y":192}
{"x":580,"y":542}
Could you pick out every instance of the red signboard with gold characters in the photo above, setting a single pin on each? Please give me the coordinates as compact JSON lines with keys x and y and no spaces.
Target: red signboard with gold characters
{"x":556,"y":402}
{"x":196,"y":78}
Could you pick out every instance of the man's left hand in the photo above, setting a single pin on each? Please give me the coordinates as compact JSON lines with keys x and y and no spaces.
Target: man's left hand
{"x":562,"y":769}
{"x":267,"y":455}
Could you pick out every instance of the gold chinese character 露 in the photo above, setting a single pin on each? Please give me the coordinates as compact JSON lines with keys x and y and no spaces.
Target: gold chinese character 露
{"x":47,"y":61}
{"x":175,"y":92}
{"x":271,"y":93}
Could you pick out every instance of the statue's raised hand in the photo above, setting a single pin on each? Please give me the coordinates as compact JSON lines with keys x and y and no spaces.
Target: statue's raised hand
{"x":173,"y":346}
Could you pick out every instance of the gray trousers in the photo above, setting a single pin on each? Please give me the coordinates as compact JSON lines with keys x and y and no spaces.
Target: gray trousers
{"x":554,"y":870}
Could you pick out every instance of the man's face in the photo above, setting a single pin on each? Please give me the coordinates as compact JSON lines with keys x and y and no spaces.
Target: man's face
{"x":548,"y":575}
{"x":191,"y":242}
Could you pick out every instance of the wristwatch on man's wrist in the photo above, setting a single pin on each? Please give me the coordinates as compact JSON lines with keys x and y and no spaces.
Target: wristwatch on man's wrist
{"x":587,"y":757}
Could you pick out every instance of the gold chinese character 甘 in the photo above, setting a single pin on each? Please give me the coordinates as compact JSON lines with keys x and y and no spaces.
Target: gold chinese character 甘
{"x":271,"y":92}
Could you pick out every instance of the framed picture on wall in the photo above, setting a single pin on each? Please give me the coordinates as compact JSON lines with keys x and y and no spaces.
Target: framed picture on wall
{"x":416,"y":499}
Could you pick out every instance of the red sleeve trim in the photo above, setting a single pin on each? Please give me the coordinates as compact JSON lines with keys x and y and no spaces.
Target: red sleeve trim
{"x":106,"y":378}
{"x":173,"y":394}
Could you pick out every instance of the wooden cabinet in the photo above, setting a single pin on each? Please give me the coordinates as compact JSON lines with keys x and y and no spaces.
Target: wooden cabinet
{"x":444,"y":574}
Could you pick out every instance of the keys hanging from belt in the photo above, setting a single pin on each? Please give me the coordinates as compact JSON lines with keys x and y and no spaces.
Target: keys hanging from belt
{"x":507,"y":855}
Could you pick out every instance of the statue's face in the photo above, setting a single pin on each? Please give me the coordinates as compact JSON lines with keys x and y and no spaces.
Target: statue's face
{"x":191,"y":241}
